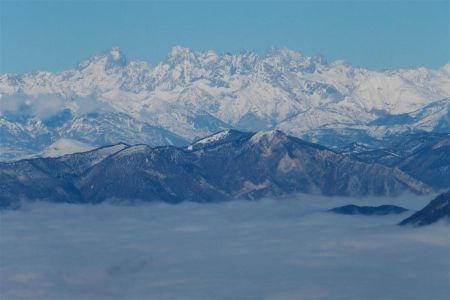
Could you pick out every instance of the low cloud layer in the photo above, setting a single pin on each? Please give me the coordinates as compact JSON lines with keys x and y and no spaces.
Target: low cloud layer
{"x":285,"y":249}
{"x":22,"y":107}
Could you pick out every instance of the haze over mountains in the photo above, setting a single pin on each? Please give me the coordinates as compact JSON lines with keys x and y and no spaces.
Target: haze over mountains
{"x":107,"y":100}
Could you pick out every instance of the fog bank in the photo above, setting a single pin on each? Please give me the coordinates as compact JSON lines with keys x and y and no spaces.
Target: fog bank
{"x":269,"y":249}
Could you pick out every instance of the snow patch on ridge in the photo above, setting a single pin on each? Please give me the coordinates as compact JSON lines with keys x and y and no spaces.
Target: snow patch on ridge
{"x":65,"y":146}
{"x":214,"y":138}
{"x":115,"y":53}
{"x":264,"y":136}
{"x":133,"y":150}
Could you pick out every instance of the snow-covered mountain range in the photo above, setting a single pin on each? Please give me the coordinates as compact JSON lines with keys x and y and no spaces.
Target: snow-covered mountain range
{"x":106,"y":100}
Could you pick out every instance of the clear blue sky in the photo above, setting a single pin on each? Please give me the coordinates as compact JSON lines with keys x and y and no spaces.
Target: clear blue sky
{"x":53,"y":36}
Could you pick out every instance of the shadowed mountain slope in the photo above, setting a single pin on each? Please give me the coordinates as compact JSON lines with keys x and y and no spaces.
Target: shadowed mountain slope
{"x":227,"y":165}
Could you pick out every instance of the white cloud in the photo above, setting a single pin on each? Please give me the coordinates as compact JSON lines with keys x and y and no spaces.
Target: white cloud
{"x":22,"y":106}
{"x":89,"y":104}
{"x":42,"y":106}
{"x":285,"y":249}
{"x":45,"y":106}
{"x":12,"y":103}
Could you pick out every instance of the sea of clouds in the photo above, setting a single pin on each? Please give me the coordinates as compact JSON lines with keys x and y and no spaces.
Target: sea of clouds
{"x":269,"y":249}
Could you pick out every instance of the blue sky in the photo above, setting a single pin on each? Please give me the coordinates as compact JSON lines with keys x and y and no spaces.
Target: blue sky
{"x":53,"y":36}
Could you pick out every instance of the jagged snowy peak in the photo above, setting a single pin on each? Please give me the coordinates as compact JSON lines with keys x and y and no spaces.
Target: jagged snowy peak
{"x":288,"y":60}
{"x":112,"y":58}
{"x":192,"y":94}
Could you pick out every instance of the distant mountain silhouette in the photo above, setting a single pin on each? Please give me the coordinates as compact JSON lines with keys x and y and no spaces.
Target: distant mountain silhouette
{"x":368,"y":210}
{"x":438,"y":209}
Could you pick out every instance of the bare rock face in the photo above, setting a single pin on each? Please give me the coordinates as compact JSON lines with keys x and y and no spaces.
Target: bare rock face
{"x":437,"y":210}
{"x":227,"y":165}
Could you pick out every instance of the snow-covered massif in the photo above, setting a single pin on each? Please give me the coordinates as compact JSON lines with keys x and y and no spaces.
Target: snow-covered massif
{"x":106,"y":99}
